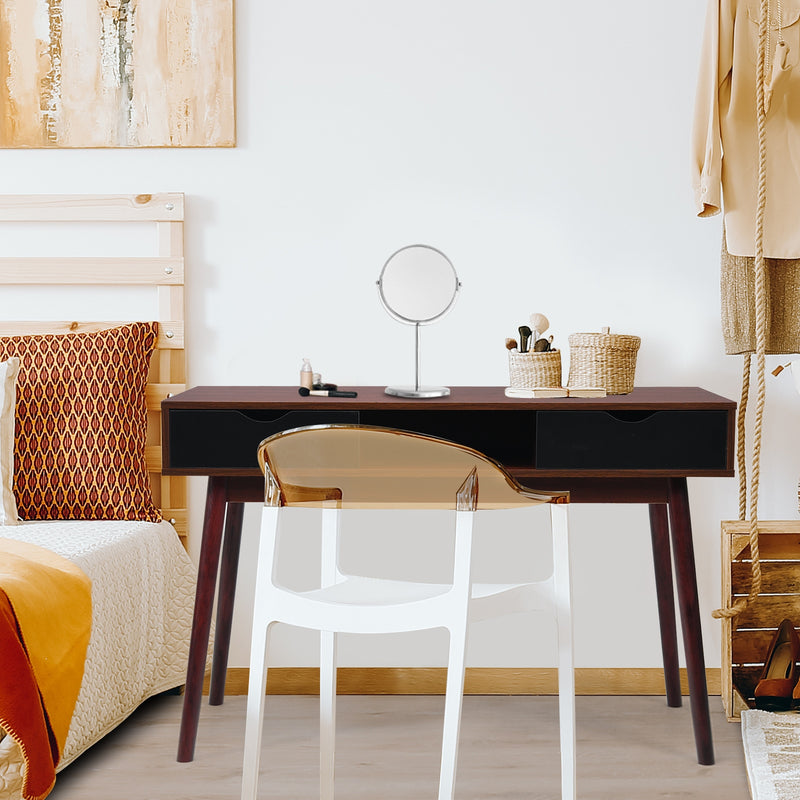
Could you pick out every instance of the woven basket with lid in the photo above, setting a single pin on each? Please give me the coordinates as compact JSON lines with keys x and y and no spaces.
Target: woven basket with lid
{"x":603,"y":359}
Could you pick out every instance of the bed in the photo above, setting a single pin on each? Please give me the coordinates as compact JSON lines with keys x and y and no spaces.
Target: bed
{"x":131,"y":547}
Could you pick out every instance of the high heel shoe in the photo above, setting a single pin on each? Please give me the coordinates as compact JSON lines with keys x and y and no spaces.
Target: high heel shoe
{"x":775,"y":689}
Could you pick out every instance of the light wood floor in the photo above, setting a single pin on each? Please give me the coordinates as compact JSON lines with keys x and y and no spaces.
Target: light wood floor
{"x":629,"y":748}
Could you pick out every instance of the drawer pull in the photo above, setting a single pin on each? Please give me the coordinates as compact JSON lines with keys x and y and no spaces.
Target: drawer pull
{"x":631,"y":416}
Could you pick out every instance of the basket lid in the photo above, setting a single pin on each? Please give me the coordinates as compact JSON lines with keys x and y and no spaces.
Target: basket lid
{"x":619,"y":341}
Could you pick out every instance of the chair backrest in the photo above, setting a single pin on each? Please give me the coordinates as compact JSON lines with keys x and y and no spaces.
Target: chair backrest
{"x":360,"y":466}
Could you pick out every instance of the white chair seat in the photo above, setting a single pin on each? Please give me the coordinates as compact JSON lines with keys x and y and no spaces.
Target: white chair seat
{"x":375,"y":592}
{"x":363,"y":590}
{"x":360,"y":604}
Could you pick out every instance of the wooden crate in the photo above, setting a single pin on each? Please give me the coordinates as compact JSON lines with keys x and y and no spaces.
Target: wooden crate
{"x":745,"y":639}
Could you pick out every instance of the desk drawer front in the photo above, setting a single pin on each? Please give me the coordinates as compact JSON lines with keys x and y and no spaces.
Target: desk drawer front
{"x":507,"y":436}
{"x":228,"y":439}
{"x":606,"y":440}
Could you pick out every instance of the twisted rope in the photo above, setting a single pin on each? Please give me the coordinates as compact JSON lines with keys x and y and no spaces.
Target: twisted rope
{"x":741,"y":451}
{"x":761,"y":342}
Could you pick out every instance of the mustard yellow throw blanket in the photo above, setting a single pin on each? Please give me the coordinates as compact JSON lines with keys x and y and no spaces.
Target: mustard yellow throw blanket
{"x":45,"y":623}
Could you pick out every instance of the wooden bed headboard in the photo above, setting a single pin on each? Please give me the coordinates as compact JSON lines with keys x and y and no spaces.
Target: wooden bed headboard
{"x":163,"y":271}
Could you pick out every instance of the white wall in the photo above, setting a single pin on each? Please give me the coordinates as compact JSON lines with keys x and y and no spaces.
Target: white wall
{"x":544,"y":148}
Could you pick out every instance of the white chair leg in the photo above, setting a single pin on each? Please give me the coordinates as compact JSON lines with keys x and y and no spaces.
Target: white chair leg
{"x":566,"y":666}
{"x":327,"y":714}
{"x":458,"y":627}
{"x":329,"y":575}
{"x":256,"y":697}
{"x":566,"y":716}
{"x":454,"y":694}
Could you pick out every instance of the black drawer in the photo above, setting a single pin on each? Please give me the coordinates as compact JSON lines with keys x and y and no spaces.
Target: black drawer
{"x":658,"y":440}
{"x":229,"y":438}
{"x":506,"y":436}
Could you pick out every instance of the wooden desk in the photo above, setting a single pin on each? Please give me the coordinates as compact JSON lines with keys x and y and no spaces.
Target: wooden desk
{"x":634,"y":448}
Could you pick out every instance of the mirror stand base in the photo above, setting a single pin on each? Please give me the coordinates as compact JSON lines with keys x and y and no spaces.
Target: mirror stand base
{"x":418,"y":392}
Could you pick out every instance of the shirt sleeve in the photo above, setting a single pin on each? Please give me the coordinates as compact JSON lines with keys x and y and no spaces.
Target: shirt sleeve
{"x":715,"y":67}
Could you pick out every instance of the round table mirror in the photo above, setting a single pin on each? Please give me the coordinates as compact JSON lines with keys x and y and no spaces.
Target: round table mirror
{"x":418,"y":285}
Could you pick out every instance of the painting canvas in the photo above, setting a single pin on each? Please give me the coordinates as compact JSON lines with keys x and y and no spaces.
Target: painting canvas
{"x":116,"y":73}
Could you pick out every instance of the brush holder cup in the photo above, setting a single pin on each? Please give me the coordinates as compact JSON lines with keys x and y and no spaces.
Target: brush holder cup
{"x":606,"y":360}
{"x":534,"y":370}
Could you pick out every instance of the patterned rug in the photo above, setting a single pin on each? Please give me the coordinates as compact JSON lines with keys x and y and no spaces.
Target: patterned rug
{"x":772,"y":753}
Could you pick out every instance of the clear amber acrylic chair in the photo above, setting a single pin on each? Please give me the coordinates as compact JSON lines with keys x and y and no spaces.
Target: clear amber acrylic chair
{"x":337,"y":467}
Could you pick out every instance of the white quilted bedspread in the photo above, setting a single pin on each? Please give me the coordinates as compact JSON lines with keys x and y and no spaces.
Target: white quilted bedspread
{"x":143,"y":585}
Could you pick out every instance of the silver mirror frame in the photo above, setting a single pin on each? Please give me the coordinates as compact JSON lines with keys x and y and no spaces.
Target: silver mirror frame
{"x":412,"y":320}
{"x":417,"y":391}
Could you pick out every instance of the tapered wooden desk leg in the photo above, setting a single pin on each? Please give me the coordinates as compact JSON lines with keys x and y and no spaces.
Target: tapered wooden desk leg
{"x":662,"y":561}
{"x":686,"y":579}
{"x":201,"y":622}
{"x":227,"y":591}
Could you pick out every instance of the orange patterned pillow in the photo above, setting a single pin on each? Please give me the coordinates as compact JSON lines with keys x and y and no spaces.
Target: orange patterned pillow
{"x":81,"y":424}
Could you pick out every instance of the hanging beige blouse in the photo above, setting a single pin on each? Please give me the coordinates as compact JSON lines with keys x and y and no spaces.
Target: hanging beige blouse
{"x":725,"y":137}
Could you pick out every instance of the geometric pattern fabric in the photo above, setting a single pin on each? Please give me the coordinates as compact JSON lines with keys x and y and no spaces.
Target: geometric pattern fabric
{"x":79,"y":446}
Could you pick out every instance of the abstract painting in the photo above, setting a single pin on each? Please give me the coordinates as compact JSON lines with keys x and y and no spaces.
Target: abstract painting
{"x":116,"y":73}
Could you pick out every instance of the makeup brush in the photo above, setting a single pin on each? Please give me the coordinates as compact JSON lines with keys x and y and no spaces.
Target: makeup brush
{"x":524,"y":338}
{"x":325,"y":393}
{"x":539,"y":324}
{"x":511,"y":344}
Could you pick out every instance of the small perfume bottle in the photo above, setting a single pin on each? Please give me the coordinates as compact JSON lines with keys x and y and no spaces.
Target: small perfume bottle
{"x":306,"y":374}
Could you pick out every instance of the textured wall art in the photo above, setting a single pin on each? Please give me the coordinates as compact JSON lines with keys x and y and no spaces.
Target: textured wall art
{"x":116,"y":73}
